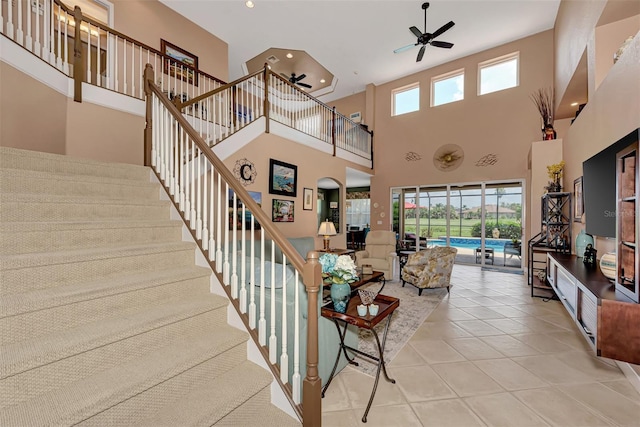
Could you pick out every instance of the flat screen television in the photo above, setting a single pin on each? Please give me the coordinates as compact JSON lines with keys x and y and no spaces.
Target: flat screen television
{"x":599,"y":188}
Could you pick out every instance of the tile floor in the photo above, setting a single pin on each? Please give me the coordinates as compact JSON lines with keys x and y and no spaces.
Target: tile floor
{"x":490,"y":355}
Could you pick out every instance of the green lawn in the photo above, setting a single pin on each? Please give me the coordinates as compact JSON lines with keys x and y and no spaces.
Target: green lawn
{"x":459,"y":228}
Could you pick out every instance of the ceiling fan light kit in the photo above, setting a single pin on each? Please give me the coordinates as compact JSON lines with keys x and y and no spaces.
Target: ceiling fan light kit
{"x":424,"y":38}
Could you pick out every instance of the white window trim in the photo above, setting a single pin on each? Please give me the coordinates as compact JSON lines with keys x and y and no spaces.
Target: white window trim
{"x":436,"y":79}
{"x":496,"y":61}
{"x":406,"y":88}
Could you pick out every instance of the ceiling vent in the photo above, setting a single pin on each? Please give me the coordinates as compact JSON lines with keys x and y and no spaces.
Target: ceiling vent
{"x":272,"y":59}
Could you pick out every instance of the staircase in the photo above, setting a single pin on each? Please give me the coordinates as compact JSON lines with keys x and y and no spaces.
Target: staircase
{"x":105,"y":319}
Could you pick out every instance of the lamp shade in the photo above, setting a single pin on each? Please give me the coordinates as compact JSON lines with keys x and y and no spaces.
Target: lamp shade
{"x":327,"y":229}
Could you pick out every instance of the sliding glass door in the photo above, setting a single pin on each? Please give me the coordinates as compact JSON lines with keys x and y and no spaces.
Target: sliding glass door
{"x":482,"y":220}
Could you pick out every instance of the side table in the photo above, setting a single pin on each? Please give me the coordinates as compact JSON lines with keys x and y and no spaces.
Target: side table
{"x":403,"y":256}
{"x":387,"y":306}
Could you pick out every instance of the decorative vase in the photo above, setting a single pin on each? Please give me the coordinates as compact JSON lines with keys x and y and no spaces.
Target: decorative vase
{"x":609,"y":266}
{"x":582,"y":241}
{"x":340,"y":295}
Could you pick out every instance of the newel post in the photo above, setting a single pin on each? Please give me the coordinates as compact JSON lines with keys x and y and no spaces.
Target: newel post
{"x":148,"y":129}
{"x":78,"y":60}
{"x":266,"y":97}
{"x":312,"y":385}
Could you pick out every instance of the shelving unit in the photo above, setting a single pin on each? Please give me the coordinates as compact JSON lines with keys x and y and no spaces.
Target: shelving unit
{"x":627,"y":222}
{"x":555,"y":236}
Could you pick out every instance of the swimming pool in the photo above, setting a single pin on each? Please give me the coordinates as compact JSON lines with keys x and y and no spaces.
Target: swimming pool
{"x":470,"y":243}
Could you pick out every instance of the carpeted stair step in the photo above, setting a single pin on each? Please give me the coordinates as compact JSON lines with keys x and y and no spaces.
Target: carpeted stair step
{"x":42,"y":207}
{"x":85,"y":348}
{"x":28,"y":272}
{"x":258,"y":411}
{"x":37,"y":182}
{"x":92,"y":304}
{"x":13,"y":158}
{"x":30,"y":237}
{"x":211,"y":402}
{"x":91,"y":395}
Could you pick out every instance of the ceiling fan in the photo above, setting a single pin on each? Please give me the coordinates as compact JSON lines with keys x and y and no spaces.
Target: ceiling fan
{"x":427,"y":38}
{"x":293,"y":79}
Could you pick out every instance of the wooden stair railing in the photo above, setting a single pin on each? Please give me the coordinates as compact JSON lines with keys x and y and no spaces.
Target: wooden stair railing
{"x":185,"y":165}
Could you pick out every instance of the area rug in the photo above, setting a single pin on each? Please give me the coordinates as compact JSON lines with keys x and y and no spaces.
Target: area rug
{"x":406,"y":319}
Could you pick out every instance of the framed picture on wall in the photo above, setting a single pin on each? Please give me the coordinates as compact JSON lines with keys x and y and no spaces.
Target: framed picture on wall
{"x":308,"y":199}
{"x":179,"y":63}
{"x":282,"y":210}
{"x":283,"y":178}
{"x":578,"y":206}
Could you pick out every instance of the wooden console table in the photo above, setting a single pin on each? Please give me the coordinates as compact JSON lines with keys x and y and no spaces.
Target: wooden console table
{"x":607,"y":318}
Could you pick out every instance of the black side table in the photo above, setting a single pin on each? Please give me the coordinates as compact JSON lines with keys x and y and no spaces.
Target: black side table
{"x":387,"y":306}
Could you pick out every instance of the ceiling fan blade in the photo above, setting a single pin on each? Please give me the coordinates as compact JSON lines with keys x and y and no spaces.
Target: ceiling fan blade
{"x":420,"y":53}
{"x":445,"y":45}
{"x":407,"y":47}
{"x":416,"y":32}
{"x":300,"y":77}
{"x":304,"y":85}
{"x":442,"y":29}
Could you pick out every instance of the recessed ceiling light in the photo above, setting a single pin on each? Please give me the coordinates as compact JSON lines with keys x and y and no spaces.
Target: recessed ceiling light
{"x":322,"y":80}
{"x":289,"y":55}
{"x":573,"y":104}
{"x":249,"y":4}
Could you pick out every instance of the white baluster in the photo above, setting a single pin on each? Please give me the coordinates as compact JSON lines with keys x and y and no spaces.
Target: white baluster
{"x":296,"y":378}
{"x":225,"y":267}
{"x":89,"y":53}
{"x":124,"y":66}
{"x":133,"y":74}
{"x":262,"y":323}
{"x":199,"y":196}
{"x":19,"y":32}
{"x":284,"y":356}
{"x":99,"y":81}
{"x":252,"y":282}
{"x":192,"y":192}
{"x":10,"y":27}
{"x":243,"y":272}
{"x":205,"y":205}
{"x":234,"y":245}
{"x":220,"y":211}
{"x":52,"y":27}
{"x":273,"y":340}
{"x":36,"y":45}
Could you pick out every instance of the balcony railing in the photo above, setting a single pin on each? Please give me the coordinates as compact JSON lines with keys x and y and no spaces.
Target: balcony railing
{"x":90,"y":52}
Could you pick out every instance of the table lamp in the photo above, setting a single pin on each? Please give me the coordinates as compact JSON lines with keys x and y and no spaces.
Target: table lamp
{"x":327,"y":229}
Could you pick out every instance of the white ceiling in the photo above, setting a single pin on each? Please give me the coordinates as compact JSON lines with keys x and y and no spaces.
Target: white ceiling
{"x":355,"y":39}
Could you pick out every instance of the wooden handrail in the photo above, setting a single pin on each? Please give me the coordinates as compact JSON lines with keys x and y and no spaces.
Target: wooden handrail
{"x":181,"y":105}
{"x":310,"y":409}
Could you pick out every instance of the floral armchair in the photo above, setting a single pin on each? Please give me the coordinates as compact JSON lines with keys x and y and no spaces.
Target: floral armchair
{"x":429,"y":268}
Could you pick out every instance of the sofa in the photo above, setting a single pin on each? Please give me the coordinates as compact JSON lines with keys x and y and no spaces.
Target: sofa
{"x":328,"y":339}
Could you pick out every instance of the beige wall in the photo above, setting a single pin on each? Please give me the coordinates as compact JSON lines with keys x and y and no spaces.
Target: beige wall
{"x":608,"y":39}
{"x":613,"y":109}
{"x":148,"y":21}
{"x":33,"y":116}
{"x":352,"y":104}
{"x":503,"y":123}
{"x":93,"y":135}
{"x":312,"y":165}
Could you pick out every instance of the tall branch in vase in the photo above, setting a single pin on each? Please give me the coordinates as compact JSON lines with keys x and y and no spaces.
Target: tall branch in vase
{"x":544,"y":100}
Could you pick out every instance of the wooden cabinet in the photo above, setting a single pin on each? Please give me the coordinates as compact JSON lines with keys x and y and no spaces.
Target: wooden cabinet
{"x":607,"y":319}
{"x":627,"y":222}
